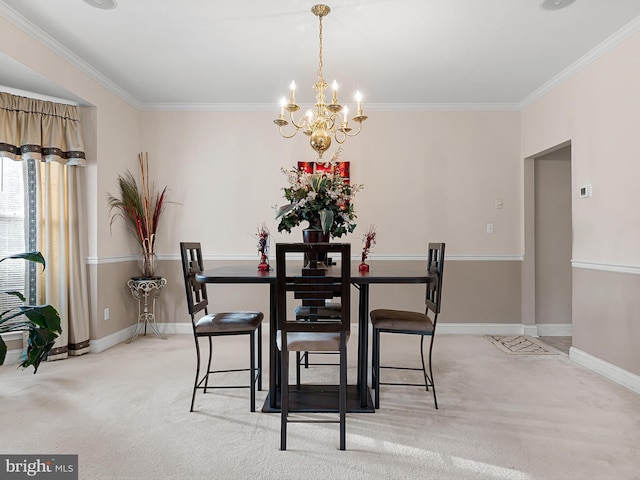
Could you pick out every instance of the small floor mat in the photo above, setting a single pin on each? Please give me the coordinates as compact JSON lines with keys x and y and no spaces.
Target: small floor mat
{"x":521,"y":345}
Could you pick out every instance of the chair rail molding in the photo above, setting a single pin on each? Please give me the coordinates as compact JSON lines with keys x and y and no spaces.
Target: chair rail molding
{"x":606,"y":267}
{"x":419,"y":257}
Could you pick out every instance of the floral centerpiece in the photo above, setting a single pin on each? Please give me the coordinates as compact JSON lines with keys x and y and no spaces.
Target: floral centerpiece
{"x":140,"y":206}
{"x":322,"y":199}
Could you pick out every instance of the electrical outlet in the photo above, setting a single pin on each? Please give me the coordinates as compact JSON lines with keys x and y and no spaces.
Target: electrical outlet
{"x":489,"y":227}
{"x":106,"y":313}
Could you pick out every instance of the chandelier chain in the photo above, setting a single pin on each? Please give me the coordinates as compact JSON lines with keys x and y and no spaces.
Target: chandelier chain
{"x":320,"y":63}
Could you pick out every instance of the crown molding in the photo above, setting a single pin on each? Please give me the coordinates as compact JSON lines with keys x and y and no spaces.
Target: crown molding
{"x":609,"y":44}
{"x":209,"y":107}
{"x":443,"y":107}
{"x":56,"y":47}
{"x":371,"y":107}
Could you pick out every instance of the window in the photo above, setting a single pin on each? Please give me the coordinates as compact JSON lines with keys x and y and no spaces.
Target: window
{"x":12,"y":231}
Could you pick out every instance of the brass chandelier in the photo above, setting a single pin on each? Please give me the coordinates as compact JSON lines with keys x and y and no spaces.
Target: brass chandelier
{"x":325,"y":120}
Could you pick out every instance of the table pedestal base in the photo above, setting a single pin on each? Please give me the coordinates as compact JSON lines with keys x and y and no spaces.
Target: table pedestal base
{"x":320,"y":399}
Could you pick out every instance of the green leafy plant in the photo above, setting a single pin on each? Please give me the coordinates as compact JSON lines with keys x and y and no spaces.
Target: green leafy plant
{"x":140,"y":206}
{"x":41,"y":321}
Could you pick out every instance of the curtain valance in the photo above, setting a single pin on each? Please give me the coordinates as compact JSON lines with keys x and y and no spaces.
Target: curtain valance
{"x":41,"y":130}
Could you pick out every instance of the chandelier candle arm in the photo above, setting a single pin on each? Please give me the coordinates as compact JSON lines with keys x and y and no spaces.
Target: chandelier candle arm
{"x":325,"y":121}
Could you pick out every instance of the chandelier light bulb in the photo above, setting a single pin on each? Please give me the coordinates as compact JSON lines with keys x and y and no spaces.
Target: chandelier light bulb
{"x":292,"y":98}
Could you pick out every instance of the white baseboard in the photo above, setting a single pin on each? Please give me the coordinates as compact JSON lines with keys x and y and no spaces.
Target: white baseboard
{"x":125,"y":334}
{"x":554,"y":330}
{"x":549,"y":330}
{"x":479,"y":329}
{"x":112,"y":340}
{"x":607,"y":370}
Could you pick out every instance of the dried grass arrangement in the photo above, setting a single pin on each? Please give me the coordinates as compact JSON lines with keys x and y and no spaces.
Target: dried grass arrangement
{"x":139,"y":205}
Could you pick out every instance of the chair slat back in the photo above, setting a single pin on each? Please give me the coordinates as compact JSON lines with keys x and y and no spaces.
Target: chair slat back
{"x":435,"y":266}
{"x":313,"y":284}
{"x":192,"y":263}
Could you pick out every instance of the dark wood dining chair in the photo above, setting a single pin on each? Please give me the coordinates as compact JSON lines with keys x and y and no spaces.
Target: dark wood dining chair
{"x":411,"y":323}
{"x":313,"y":285}
{"x":209,"y":325}
{"x":302,"y":312}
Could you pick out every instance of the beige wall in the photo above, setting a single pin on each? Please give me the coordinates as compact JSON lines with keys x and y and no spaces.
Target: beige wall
{"x":444,"y":189}
{"x":605,"y":315}
{"x":597,"y":111}
{"x":428,"y":176}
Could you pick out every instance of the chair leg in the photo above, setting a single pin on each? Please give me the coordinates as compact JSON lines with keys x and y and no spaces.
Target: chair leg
{"x":206,"y":381}
{"x":375,"y":367}
{"x":259,"y":340}
{"x":298,"y":370}
{"x":343,"y":391}
{"x":428,"y":379}
{"x":424,"y":369}
{"x":284,"y":396}
{"x":195,"y":383}
{"x":252,"y":370}
{"x":433,"y":383}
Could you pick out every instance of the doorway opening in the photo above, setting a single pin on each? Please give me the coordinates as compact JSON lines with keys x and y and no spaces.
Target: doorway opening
{"x":547,"y":282}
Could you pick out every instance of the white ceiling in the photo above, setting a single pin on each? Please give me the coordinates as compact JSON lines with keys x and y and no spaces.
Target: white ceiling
{"x":190,"y":53}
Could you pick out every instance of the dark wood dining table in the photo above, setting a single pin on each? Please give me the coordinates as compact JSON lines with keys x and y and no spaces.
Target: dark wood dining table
{"x":382,"y":272}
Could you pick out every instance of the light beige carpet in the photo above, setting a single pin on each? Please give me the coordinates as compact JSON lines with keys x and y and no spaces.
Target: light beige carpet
{"x":125,"y":412}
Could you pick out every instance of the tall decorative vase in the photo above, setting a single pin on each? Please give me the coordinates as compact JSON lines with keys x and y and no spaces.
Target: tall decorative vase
{"x":147,"y":265}
{"x":315,"y":235}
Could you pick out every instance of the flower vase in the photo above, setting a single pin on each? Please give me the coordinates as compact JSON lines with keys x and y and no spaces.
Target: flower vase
{"x":315,"y":235}
{"x":147,"y":265}
{"x":263,"y":264}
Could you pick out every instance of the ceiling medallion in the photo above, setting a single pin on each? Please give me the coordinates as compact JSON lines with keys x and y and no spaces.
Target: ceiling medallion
{"x":555,"y":4}
{"x":102,"y":4}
